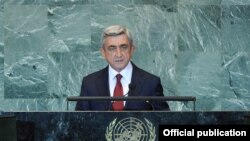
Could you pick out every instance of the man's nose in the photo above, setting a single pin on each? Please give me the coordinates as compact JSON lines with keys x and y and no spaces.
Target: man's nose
{"x":118,"y":52}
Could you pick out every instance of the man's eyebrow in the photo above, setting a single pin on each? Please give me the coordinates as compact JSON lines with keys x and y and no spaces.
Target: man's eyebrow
{"x":112,"y":46}
{"x":123,"y":45}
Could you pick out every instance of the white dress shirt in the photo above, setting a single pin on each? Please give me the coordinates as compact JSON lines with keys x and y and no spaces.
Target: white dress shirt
{"x":125,"y":80}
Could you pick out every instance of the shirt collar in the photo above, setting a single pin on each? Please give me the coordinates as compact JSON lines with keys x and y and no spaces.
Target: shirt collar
{"x":126,"y":72}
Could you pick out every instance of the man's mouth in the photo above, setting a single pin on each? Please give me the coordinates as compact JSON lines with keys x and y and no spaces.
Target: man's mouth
{"x":118,"y":61}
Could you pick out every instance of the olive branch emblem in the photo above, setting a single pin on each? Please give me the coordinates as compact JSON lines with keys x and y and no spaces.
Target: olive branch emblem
{"x":109,"y":130}
{"x":151,"y":130}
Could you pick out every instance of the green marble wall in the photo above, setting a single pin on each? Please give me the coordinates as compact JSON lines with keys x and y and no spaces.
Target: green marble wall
{"x":198,"y":47}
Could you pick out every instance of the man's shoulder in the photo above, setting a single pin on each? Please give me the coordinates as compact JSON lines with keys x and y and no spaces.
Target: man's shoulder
{"x":95,"y":75}
{"x":145,"y":74}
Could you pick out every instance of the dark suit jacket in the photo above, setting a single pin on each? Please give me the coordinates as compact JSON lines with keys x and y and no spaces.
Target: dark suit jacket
{"x":144,"y":84}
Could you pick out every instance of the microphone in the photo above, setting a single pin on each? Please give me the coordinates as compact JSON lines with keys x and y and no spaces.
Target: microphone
{"x":131,"y":92}
{"x":151,"y":105}
{"x":131,"y":88}
{"x":110,"y":105}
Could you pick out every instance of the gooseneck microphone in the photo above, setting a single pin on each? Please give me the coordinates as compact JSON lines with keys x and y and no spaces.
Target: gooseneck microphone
{"x":131,"y":93}
{"x":151,"y":105}
{"x":131,"y":88}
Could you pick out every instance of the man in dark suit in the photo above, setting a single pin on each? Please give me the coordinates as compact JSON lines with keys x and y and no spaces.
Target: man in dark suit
{"x":121,"y":77}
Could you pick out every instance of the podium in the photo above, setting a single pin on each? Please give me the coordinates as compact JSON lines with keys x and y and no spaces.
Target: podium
{"x":93,"y":126}
{"x":8,"y":128}
{"x":132,"y":98}
{"x":12,"y":129}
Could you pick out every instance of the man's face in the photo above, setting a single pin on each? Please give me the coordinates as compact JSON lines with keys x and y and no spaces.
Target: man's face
{"x":117,"y":51}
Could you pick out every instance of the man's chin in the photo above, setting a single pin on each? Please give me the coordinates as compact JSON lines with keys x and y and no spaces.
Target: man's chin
{"x":119,"y":64}
{"x":119,"y":67}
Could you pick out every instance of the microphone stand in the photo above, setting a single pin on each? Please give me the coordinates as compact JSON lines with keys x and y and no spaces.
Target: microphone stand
{"x":113,"y":101}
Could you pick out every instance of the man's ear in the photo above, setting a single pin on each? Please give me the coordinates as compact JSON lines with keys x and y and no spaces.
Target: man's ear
{"x":133,"y":49}
{"x":102,"y":52}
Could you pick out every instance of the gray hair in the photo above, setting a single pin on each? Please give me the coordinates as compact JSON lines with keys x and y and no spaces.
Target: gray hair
{"x":116,"y":30}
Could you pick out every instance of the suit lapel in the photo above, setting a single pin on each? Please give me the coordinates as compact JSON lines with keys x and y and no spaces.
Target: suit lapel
{"x":102,"y":85}
{"x":137,"y":80}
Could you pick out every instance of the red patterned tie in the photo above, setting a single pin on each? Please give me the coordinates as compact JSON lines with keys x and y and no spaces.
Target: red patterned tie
{"x":118,"y":105}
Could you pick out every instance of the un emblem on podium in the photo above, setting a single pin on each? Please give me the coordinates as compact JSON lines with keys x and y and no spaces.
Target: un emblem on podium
{"x":130,"y":129}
